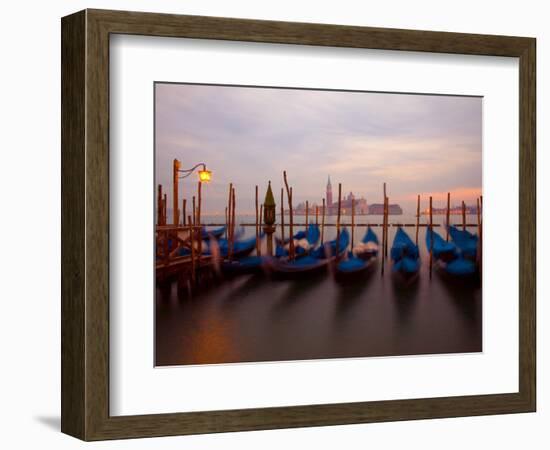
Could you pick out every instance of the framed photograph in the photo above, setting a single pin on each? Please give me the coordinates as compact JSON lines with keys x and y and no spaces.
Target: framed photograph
{"x":271,"y":224}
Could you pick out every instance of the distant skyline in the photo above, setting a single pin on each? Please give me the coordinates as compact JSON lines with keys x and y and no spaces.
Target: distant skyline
{"x":417,"y":144}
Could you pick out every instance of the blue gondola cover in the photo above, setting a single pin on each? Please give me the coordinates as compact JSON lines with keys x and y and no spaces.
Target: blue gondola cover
{"x":465,"y":241}
{"x":440,"y":246}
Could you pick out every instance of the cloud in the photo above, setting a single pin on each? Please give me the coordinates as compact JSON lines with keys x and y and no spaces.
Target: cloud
{"x":415,"y":143}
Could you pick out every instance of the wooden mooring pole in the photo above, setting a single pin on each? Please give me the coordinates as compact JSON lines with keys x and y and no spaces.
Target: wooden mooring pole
{"x":417,"y":218}
{"x":194,"y":211}
{"x":184,"y":212}
{"x":431,"y":231}
{"x":387,"y":212}
{"x":448,"y":219}
{"x":352,"y":222}
{"x":193,"y":256}
{"x":383,"y":234}
{"x":199,"y":230}
{"x":233,"y":214}
{"x":338,"y":219}
{"x":323,"y":224}
{"x":307,"y":213}
{"x":199,"y":202}
{"x":229,"y":209}
{"x":226,"y":224}
{"x":159,"y":205}
{"x":291,"y":246}
{"x":164,"y":210}
{"x":282,"y":216}
{"x":383,"y":237}
{"x":175,"y":201}
{"x":259,"y":249}
{"x":291,"y":228}
{"x":257,"y":226}
{"x":463,"y":216}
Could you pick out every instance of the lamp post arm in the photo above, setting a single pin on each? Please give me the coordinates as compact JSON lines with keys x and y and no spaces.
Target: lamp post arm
{"x":188,"y":172}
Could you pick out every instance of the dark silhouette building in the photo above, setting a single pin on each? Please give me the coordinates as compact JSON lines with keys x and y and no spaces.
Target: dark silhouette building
{"x":378,"y":209}
{"x":329,"y":192}
{"x":361,"y":206}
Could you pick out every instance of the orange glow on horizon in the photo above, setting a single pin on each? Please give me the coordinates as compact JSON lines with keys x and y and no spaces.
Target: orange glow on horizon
{"x":466,"y":194}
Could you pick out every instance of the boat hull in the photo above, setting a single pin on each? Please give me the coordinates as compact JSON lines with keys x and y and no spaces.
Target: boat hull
{"x":367,"y":255}
{"x":299,"y":269}
{"x":405,"y":278}
{"x":471,"y":278}
{"x":247,"y":266}
{"x":361,"y":273}
{"x":217,"y":233}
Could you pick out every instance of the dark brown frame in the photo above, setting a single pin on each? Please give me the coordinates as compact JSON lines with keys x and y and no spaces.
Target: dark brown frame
{"x":85,"y":224}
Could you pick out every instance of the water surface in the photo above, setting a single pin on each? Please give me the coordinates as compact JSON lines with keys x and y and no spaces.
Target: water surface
{"x":254,"y":318}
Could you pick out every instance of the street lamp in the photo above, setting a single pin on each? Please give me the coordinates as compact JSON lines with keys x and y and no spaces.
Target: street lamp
{"x":204,"y":177}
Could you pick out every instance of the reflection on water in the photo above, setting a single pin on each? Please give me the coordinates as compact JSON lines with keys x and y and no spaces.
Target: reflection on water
{"x":253,"y":318}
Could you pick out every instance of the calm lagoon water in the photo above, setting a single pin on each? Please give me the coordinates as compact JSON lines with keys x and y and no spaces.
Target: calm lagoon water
{"x":254,"y":318}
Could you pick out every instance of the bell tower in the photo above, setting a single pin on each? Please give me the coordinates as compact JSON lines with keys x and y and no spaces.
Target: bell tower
{"x":329,"y":192}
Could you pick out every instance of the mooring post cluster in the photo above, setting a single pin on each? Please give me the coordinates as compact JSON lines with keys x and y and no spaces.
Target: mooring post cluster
{"x":183,"y":240}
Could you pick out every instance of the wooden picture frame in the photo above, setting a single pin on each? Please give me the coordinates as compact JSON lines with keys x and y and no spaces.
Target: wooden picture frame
{"x":85,"y":224}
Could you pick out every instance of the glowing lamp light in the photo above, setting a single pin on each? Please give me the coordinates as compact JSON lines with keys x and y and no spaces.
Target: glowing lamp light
{"x":205,"y":175}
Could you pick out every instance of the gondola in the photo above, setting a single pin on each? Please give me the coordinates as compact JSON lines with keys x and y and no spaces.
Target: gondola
{"x":368,"y":247}
{"x":460,"y":270}
{"x":207,"y":235}
{"x":353,"y":268}
{"x":330,"y":248}
{"x":450,"y":261}
{"x":405,"y":256}
{"x":304,"y":242}
{"x":241,"y":248}
{"x":314,"y":263}
{"x":245,"y":266}
{"x":311,"y":234}
{"x":465,"y":241}
{"x":442,"y":250}
{"x":360,"y":261}
{"x":282,"y":252}
{"x":215,"y":233}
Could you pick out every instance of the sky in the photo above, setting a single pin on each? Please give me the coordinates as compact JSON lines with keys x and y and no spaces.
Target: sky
{"x":417,"y":144}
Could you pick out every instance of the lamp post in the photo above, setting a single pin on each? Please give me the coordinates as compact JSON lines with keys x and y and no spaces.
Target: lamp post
{"x":269,"y":218}
{"x":204,"y":177}
{"x":175,"y":169}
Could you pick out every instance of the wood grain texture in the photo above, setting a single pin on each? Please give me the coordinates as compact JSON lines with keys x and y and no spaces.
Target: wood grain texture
{"x":267,"y":31}
{"x":527,"y":224}
{"x":97,"y":226}
{"x":72,"y":224}
{"x":85,"y":224}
